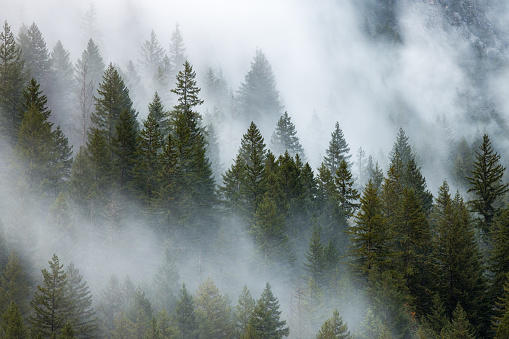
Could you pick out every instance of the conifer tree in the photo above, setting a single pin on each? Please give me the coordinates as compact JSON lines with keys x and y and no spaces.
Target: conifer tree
{"x":88,"y":74}
{"x":140,"y":313}
{"x":35,"y":54}
{"x":62,"y":86}
{"x":177,"y":50}
{"x":14,"y":285}
{"x":231,"y":191}
{"x":258,"y":97}
{"x":213,"y":312}
{"x":13,"y":325}
{"x":49,"y":303}
{"x":12,"y":79}
{"x":338,"y":150}
{"x":346,"y":193}
{"x":402,"y":148}
{"x":459,"y":327}
{"x":437,"y":319}
{"x":152,"y":56}
{"x":499,"y":256}
{"x":166,"y":326}
{"x":334,"y":328}
{"x":243,"y":310}
{"x":285,"y":138}
{"x":80,"y":313}
{"x":124,"y":328}
{"x":160,"y":115}
{"x":166,"y":283}
{"x":265,"y":320}
{"x":486,"y":184}
{"x":169,"y":178}
{"x":185,"y":315}
{"x":110,"y":305}
{"x":113,"y":99}
{"x":124,"y":144}
{"x":315,"y":264}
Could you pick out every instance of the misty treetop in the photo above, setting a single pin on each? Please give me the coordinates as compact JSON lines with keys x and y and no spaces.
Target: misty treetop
{"x":97,"y":159}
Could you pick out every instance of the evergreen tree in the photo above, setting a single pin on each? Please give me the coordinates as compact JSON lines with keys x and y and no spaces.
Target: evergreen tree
{"x":12,"y":323}
{"x":35,"y":54}
{"x":113,"y":99}
{"x":152,"y":56}
{"x":166,"y":283}
{"x":62,"y":87}
{"x":80,"y":178}
{"x":88,"y":74}
{"x":147,"y":165}
{"x":437,"y":319}
{"x":338,"y":150}
{"x":402,"y":148}
{"x":185,"y":315}
{"x":49,"y":303}
{"x":12,"y":79}
{"x":258,"y":97}
{"x":265,"y":319}
{"x":80,"y":313}
{"x":135,"y":85}
{"x":499,"y":256}
{"x":110,"y":305}
{"x":177,"y":50}
{"x":140,"y":313}
{"x":230,"y":192}
{"x":486,"y":184}
{"x":160,"y":115}
{"x":285,"y":138}
{"x":459,"y":327}
{"x":166,"y":326}
{"x":213,"y":312}
{"x":124,"y":327}
{"x":213,"y":150}
{"x":169,"y":178}
{"x":67,"y":332}
{"x":316,"y":264}
{"x":14,"y":286}
{"x":334,"y":328}
{"x":344,"y":184}
{"x":463,"y":165}
{"x":124,"y":144}
{"x":243,"y":310}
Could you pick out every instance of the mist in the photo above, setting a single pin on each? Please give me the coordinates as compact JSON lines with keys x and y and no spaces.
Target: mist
{"x":329,"y":66}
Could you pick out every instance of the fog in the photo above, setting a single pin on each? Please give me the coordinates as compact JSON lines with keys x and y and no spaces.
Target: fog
{"x":327,"y":69}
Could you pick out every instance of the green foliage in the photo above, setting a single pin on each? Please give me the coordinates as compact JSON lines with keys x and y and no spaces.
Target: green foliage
{"x":67,"y":332}
{"x":213,"y":312}
{"x":185,"y":315}
{"x":285,"y":138}
{"x":124,"y":146}
{"x":35,"y":53}
{"x":486,"y":184}
{"x":459,"y":327}
{"x":316,"y":263}
{"x":334,"y":328}
{"x":243,"y":310}
{"x":347,"y":195}
{"x":166,"y":283}
{"x":12,"y":323}
{"x":499,"y":256}
{"x":338,"y":150}
{"x":265,"y":320}
{"x":49,"y":304}
{"x":14,"y":285}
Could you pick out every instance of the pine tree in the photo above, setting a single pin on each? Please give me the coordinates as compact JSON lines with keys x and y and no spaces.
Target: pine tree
{"x":213,"y":312}
{"x":147,"y":165}
{"x":486,"y":184}
{"x":124,"y":328}
{"x":49,"y":303}
{"x":459,"y":327}
{"x":258,"y":97}
{"x":177,"y":50}
{"x":67,"y":332}
{"x":243,"y":310}
{"x":160,"y":115}
{"x":169,"y":195}
{"x":166,"y":283}
{"x":499,"y":256}
{"x":185,"y":315}
{"x":338,"y":150}
{"x":265,"y":319}
{"x":152,"y":56}
{"x":140,"y":313}
{"x":35,"y":53}
{"x":80,"y":312}
{"x":62,"y":87}
{"x":12,"y":79}
{"x":334,"y":328}
{"x":402,"y":148}
{"x":88,"y":74}
{"x":110,"y":305}
{"x":113,"y":99}
{"x":124,"y":144}
{"x":230,"y":192}
{"x":12,"y":323}
{"x":316,"y":264}
{"x":285,"y":138}
{"x":437,"y":319}
{"x":344,"y":184}
{"x":166,"y":326}
{"x":14,"y":285}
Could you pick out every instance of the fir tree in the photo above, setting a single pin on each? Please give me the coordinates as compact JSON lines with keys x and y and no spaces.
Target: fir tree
{"x":13,"y":325}
{"x":486,"y":184}
{"x":213,"y":312}
{"x":285,"y":138}
{"x":160,"y":115}
{"x":62,"y":87}
{"x":185,"y":315}
{"x":258,"y":97}
{"x":315,"y":264}
{"x":499,"y":256}
{"x":459,"y":327}
{"x":230,"y":192}
{"x":344,"y":184}
{"x":334,"y":328}
{"x":338,"y":150}
{"x":35,"y":53}
{"x":265,"y":320}
{"x":110,"y":305}
{"x":49,"y":303}
{"x":166,"y":283}
{"x":177,"y":50}
{"x":243,"y":310}
{"x":14,"y":285}
{"x":80,"y":313}
{"x":67,"y":332}
{"x":124,"y":144}
{"x":140,"y":313}
{"x":152,"y":56}
{"x":12,"y":79}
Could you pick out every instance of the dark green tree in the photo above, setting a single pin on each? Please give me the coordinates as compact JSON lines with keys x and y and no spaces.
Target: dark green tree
{"x":12,"y":80}
{"x":285,"y":138}
{"x":334,"y":328}
{"x":499,"y":256}
{"x":265,"y":320}
{"x":230,"y":192}
{"x":338,"y":150}
{"x":243,"y":310}
{"x":35,"y":54}
{"x":486,"y":184}
{"x":316,"y":264}
{"x":344,"y":183}
{"x":49,"y":304}
{"x":67,"y":332}
{"x":160,"y":115}
{"x":124,"y":145}
{"x":113,"y":99}
{"x":185,"y":315}
{"x":459,"y":327}
{"x":213,"y":312}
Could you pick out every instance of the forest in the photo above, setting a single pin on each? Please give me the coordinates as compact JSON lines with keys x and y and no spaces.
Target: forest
{"x":159,"y":200}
